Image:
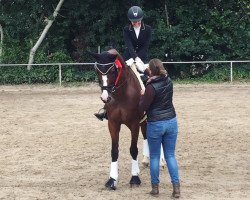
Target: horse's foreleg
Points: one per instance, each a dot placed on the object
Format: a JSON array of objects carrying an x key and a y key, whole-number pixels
[
  {"x": 113, "y": 177},
  {"x": 114, "y": 163},
  {"x": 135, "y": 167},
  {"x": 135, "y": 180}
]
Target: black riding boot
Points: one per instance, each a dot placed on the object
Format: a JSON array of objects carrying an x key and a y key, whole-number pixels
[{"x": 101, "y": 115}]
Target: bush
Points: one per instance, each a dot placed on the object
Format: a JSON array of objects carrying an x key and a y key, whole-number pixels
[
  {"x": 222, "y": 73},
  {"x": 45, "y": 74}
]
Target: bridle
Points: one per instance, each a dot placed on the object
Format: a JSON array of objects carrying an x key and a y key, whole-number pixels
[
  {"x": 104, "y": 73},
  {"x": 111, "y": 88}
]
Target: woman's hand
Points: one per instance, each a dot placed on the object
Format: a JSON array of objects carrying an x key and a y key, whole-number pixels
[{"x": 152, "y": 78}]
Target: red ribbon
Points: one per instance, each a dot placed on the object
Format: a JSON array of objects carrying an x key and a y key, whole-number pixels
[
  {"x": 118, "y": 63},
  {"x": 119, "y": 66}
]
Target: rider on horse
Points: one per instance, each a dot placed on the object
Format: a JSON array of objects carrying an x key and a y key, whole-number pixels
[{"x": 137, "y": 37}]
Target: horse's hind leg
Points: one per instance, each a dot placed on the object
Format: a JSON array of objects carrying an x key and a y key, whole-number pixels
[
  {"x": 135, "y": 180},
  {"x": 145, "y": 160},
  {"x": 114, "y": 129}
]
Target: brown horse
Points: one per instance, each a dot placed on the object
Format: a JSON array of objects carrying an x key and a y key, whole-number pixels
[{"x": 121, "y": 93}]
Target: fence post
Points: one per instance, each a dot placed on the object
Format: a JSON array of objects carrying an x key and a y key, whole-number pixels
[
  {"x": 29, "y": 74},
  {"x": 231, "y": 71},
  {"x": 60, "y": 74}
]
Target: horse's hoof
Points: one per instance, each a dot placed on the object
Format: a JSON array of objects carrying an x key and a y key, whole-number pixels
[
  {"x": 111, "y": 184},
  {"x": 145, "y": 161},
  {"x": 135, "y": 181}
]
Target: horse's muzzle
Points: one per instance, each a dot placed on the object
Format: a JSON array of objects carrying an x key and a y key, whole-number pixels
[{"x": 106, "y": 101}]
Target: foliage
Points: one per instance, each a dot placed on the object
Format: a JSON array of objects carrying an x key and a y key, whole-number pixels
[
  {"x": 220, "y": 73},
  {"x": 195, "y": 31}
]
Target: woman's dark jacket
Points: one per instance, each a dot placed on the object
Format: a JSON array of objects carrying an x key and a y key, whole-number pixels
[{"x": 158, "y": 100}]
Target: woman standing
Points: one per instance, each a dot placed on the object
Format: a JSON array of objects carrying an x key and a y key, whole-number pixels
[{"x": 162, "y": 127}]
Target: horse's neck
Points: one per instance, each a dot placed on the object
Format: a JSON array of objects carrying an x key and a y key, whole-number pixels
[
  {"x": 128, "y": 81},
  {"x": 134, "y": 79}
]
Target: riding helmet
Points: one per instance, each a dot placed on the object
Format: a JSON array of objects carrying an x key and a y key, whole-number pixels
[{"x": 135, "y": 13}]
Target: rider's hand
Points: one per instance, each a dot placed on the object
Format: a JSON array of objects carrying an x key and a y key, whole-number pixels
[
  {"x": 140, "y": 65},
  {"x": 130, "y": 61},
  {"x": 137, "y": 59}
]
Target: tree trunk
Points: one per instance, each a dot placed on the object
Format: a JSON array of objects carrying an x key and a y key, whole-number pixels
[
  {"x": 1, "y": 43},
  {"x": 42, "y": 36},
  {"x": 166, "y": 12}
]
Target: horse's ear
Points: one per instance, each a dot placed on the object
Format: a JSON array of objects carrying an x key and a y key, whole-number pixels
[
  {"x": 112, "y": 56},
  {"x": 113, "y": 51},
  {"x": 95, "y": 55}
]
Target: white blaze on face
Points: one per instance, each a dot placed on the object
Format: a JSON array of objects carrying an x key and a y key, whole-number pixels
[{"x": 105, "y": 94}]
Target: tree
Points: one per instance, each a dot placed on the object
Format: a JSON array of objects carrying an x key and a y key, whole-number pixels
[
  {"x": 182, "y": 29},
  {"x": 46, "y": 29},
  {"x": 1, "y": 42}
]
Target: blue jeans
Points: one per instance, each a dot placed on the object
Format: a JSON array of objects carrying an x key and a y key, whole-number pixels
[{"x": 163, "y": 132}]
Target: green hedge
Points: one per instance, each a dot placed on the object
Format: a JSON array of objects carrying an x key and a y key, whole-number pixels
[{"x": 44, "y": 74}]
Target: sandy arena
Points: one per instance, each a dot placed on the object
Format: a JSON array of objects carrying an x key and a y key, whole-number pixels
[{"x": 52, "y": 147}]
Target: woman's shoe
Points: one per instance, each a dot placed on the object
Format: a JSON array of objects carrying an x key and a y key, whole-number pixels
[
  {"x": 155, "y": 190},
  {"x": 176, "y": 190}
]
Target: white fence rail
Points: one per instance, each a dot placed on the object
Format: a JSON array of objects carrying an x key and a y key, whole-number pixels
[
  {"x": 209, "y": 62},
  {"x": 60, "y": 65}
]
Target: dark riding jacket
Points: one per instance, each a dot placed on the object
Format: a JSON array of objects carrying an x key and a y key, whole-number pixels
[
  {"x": 137, "y": 47},
  {"x": 158, "y": 100}
]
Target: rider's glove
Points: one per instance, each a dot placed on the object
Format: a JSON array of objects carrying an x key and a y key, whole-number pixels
[
  {"x": 130, "y": 61},
  {"x": 140, "y": 65}
]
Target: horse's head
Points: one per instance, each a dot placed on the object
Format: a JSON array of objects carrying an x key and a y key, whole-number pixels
[{"x": 107, "y": 70}]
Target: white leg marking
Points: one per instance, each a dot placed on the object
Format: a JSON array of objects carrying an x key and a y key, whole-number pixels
[
  {"x": 145, "y": 160},
  {"x": 162, "y": 154},
  {"x": 114, "y": 170},
  {"x": 145, "y": 148},
  {"x": 162, "y": 160},
  {"x": 135, "y": 168}
]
